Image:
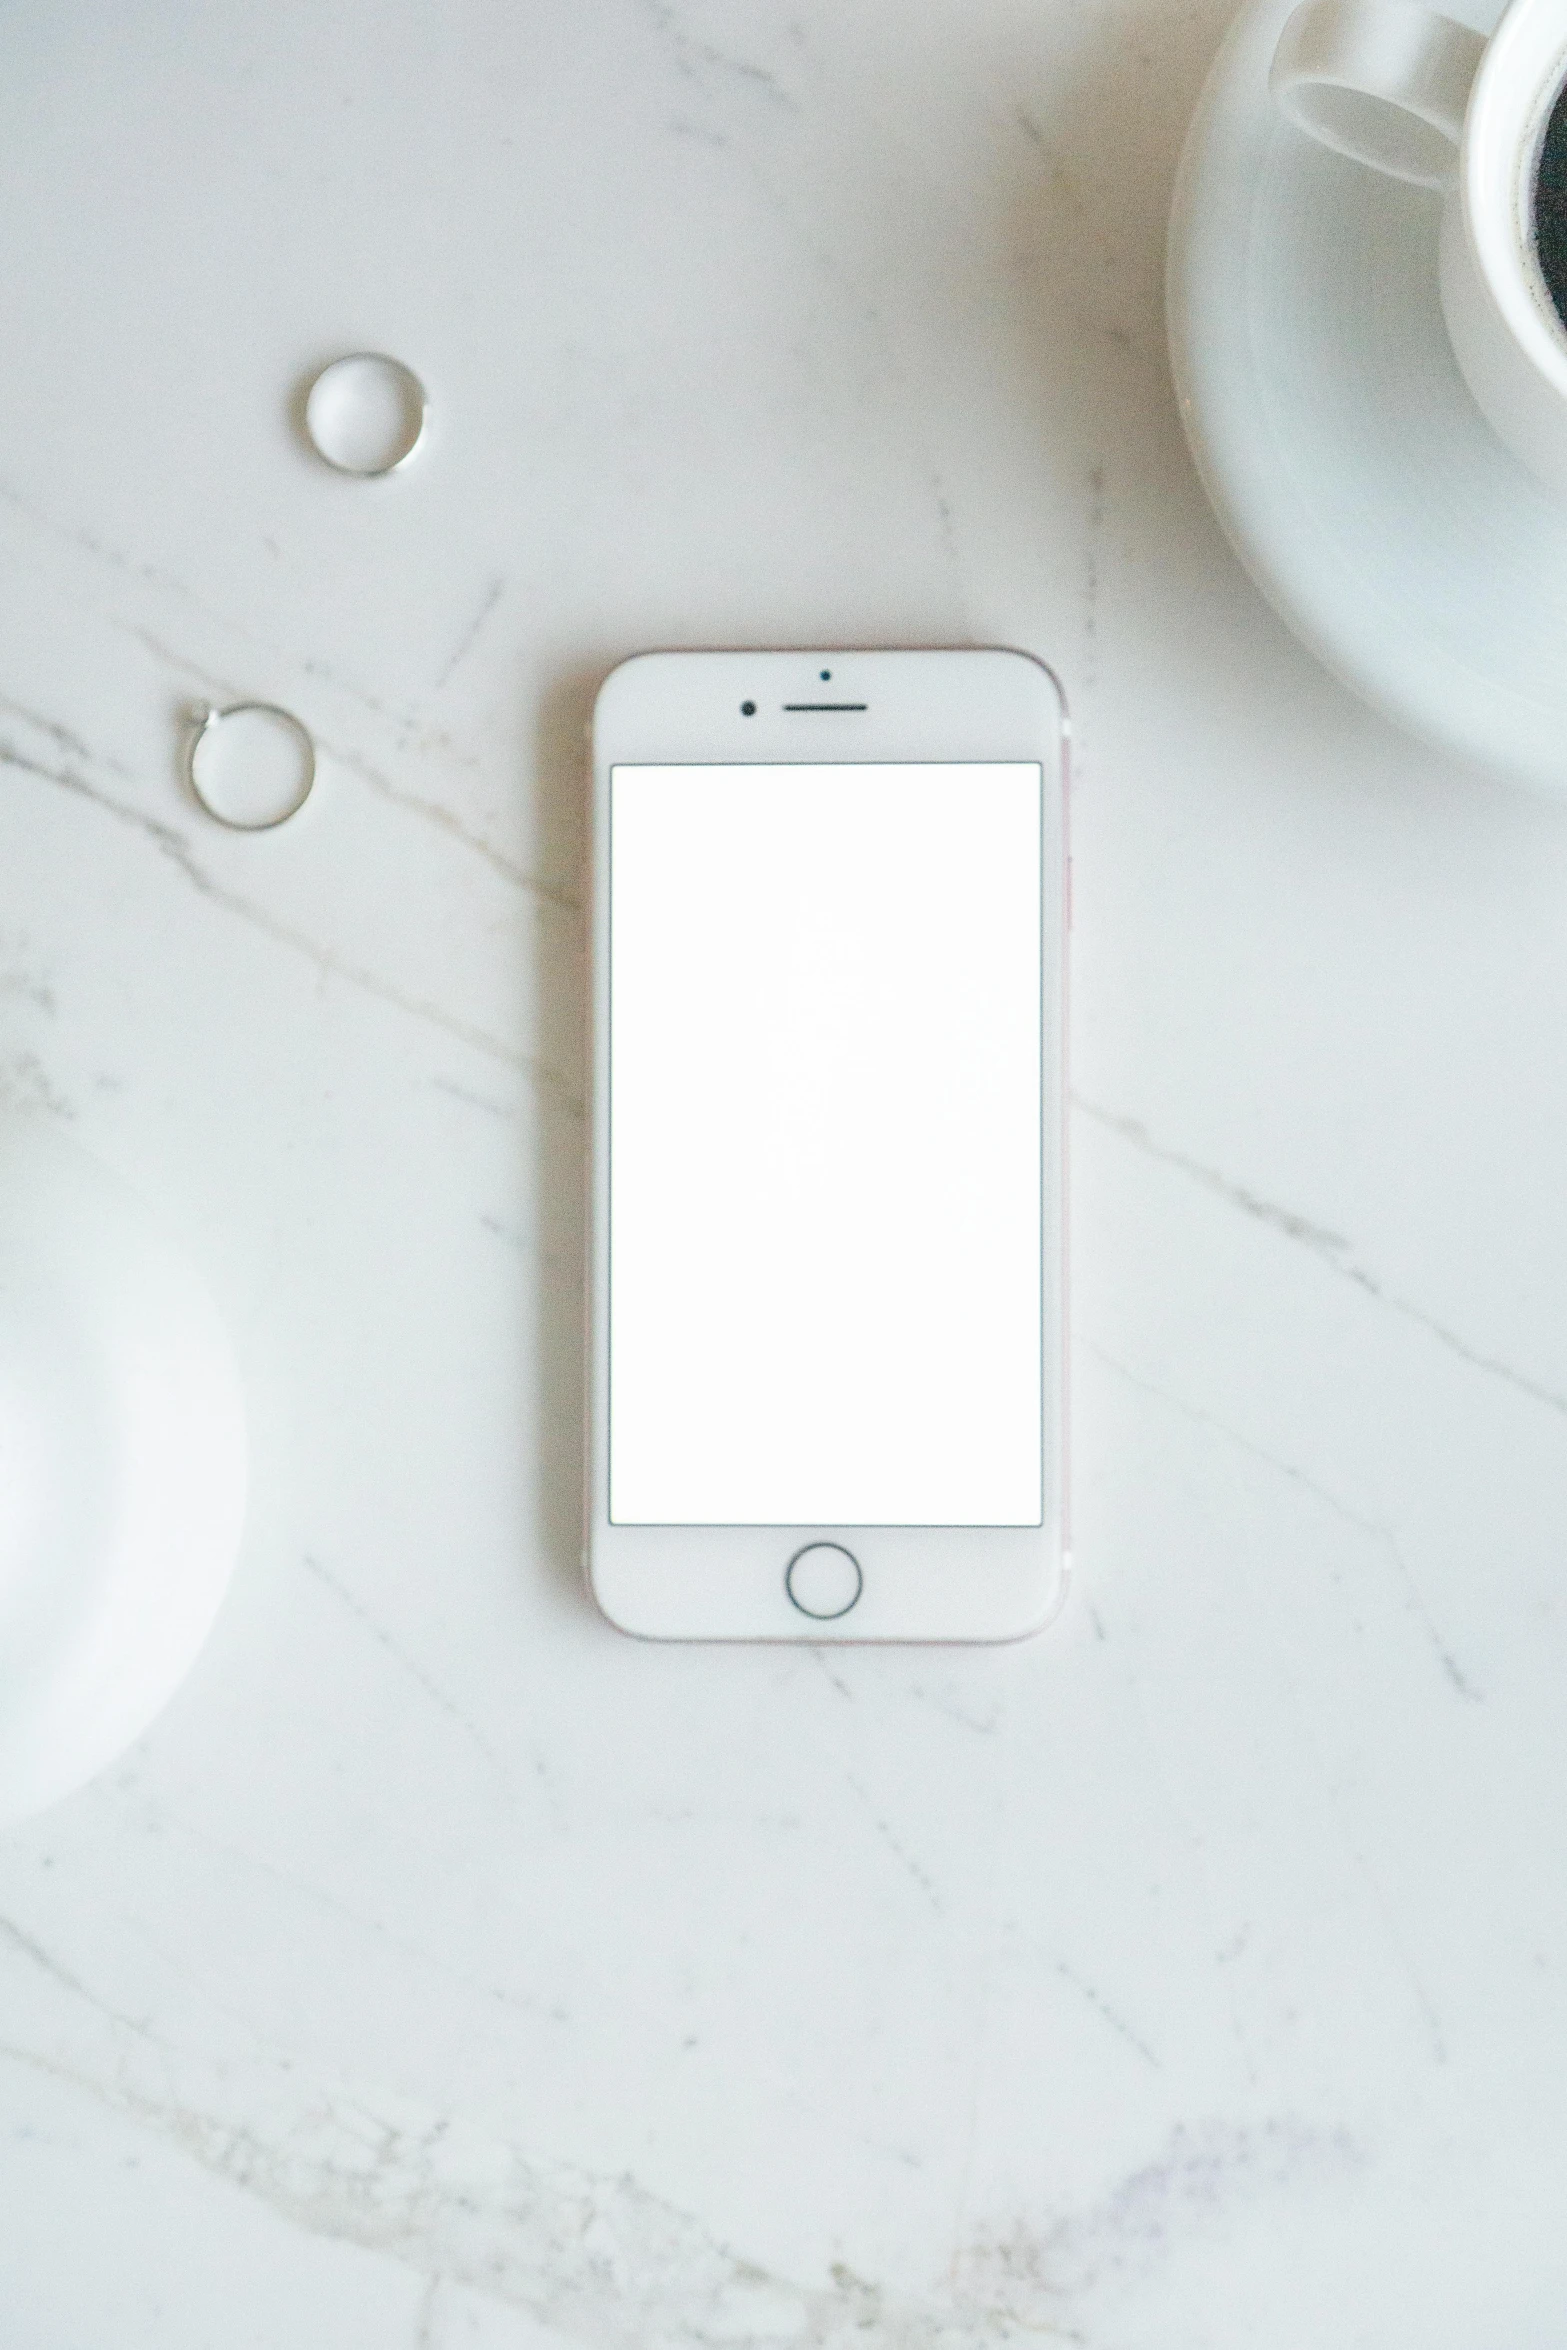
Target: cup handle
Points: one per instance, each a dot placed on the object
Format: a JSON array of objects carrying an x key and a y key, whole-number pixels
[{"x": 1383, "y": 80}]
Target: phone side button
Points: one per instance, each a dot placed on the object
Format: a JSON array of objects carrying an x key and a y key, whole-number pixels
[{"x": 824, "y": 1580}]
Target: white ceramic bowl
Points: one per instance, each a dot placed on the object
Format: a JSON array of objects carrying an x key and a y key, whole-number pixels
[
  {"x": 1340, "y": 447},
  {"x": 122, "y": 1467}
]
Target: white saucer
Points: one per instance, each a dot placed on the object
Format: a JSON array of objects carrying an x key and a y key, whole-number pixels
[
  {"x": 1358, "y": 482},
  {"x": 122, "y": 1467}
]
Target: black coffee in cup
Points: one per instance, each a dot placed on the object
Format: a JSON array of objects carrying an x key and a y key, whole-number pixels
[{"x": 1550, "y": 205}]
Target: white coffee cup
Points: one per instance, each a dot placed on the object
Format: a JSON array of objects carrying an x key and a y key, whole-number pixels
[{"x": 1416, "y": 95}]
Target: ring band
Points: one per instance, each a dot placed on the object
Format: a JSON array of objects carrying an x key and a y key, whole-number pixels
[
  {"x": 323, "y": 418},
  {"x": 206, "y": 720}
]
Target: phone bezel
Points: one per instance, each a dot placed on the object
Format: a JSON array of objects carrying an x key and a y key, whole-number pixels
[{"x": 965, "y": 1583}]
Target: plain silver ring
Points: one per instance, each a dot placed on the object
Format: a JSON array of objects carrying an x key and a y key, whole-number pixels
[
  {"x": 204, "y": 719},
  {"x": 417, "y": 397}
]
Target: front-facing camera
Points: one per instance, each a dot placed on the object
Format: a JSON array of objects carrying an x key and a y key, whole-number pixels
[{"x": 748, "y": 709}]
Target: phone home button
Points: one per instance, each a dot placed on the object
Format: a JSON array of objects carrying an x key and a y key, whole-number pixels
[{"x": 824, "y": 1580}]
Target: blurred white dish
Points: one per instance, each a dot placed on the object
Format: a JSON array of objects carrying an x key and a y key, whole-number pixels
[
  {"x": 122, "y": 1467},
  {"x": 1343, "y": 454}
]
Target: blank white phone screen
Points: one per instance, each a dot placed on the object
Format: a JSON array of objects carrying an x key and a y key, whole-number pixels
[{"x": 825, "y": 1145}]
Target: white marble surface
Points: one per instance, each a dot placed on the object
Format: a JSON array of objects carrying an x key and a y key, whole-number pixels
[{"x": 443, "y": 1970}]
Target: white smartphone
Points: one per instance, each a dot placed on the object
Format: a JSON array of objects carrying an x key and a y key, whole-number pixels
[{"x": 827, "y": 1288}]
